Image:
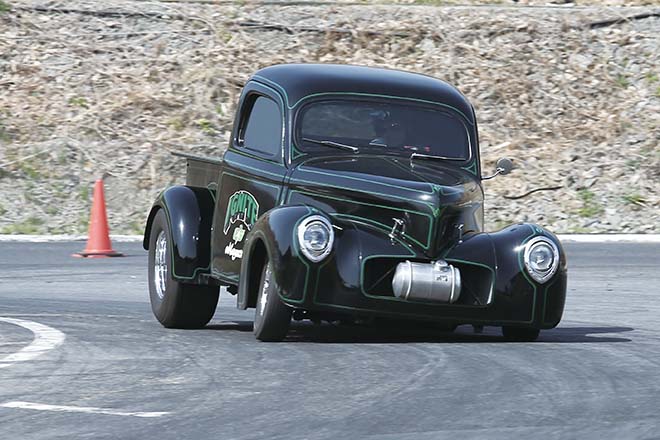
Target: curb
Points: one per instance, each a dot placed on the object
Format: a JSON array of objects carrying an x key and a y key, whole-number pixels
[
  {"x": 566, "y": 238},
  {"x": 609, "y": 238},
  {"x": 64, "y": 237}
]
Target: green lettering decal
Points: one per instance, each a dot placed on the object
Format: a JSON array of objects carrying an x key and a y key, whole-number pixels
[{"x": 241, "y": 207}]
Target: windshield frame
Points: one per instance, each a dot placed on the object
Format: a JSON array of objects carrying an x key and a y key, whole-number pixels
[{"x": 296, "y": 134}]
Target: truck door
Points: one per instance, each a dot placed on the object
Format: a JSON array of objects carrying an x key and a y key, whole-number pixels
[{"x": 250, "y": 182}]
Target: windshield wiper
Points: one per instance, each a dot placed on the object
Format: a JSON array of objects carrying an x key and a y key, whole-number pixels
[
  {"x": 428, "y": 156},
  {"x": 332, "y": 144}
]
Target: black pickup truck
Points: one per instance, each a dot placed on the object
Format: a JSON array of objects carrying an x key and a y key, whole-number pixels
[{"x": 348, "y": 193}]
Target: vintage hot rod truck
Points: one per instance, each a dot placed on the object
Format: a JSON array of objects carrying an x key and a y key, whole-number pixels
[{"x": 348, "y": 192}]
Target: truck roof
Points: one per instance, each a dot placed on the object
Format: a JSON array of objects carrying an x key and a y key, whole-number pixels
[{"x": 297, "y": 81}]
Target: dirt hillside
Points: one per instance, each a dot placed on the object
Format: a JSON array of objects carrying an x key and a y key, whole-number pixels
[{"x": 91, "y": 89}]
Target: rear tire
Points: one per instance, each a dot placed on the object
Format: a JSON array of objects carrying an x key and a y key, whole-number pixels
[
  {"x": 175, "y": 304},
  {"x": 272, "y": 317},
  {"x": 520, "y": 334}
]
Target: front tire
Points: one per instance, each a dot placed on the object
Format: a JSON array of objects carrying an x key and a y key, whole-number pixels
[
  {"x": 272, "y": 317},
  {"x": 175, "y": 304},
  {"x": 520, "y": 334}
]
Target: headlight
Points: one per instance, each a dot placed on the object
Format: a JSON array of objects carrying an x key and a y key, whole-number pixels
[
  {"x": 541, "y": 258},
  {"x": 315, "y": 237}
]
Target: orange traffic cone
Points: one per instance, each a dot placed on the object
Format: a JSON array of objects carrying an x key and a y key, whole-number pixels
[{"x": 98, "y": 241}]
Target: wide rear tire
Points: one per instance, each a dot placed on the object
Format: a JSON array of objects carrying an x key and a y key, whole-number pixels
[
  {"x": 272, "y": 317},
  {"x": 175, "y": 304},
  {"x": 520, "y": 334}
]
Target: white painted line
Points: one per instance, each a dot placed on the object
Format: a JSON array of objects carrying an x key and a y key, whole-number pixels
[
  {"x": 45, "y": 339},
  {"x": 609, "y": 238},
  {"x": 68, "y": 315},
  {"x": 80, "y": 409}
]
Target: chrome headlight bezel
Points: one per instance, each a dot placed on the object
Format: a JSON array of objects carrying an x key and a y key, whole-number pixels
[
  {"x": 541, "y": 276},
  {"x": 310, "y": 254}
]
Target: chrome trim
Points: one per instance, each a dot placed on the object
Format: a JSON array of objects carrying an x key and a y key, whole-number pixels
[
  {"x": 539, "y": 276},
  {"x": 300, "y": 235},
  {"x": 398, "y": 223},
  {"x": 410, "y": 266}
]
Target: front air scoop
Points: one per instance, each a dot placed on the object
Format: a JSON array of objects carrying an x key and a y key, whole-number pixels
[{"x": 418, "y": 203}]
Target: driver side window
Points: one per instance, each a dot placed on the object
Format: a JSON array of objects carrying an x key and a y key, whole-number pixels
[{"x": 261, "y": 130}]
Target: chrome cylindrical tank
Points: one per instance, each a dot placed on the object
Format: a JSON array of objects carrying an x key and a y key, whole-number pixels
[{"x": 438, "y": 281}]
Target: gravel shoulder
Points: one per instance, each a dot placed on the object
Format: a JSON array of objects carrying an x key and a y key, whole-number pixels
[{"x": 90, "y": 89}]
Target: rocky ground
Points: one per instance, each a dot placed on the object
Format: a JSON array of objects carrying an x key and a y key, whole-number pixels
[{"x": 90, "y": 89}]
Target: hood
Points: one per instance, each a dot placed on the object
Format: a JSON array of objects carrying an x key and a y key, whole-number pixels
[{"x": 429, "y": 197}]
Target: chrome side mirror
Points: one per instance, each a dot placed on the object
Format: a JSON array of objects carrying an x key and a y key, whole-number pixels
[{"x": 503, "y": 166}]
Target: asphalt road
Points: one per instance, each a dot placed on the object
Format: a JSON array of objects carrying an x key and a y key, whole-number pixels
[{"x": 595, "y": 376}]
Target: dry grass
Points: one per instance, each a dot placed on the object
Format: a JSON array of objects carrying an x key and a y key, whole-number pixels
[{"x": 85, "y": 95}]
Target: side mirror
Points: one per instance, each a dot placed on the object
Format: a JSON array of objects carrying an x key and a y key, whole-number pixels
[{"x": 503, "y": 166}]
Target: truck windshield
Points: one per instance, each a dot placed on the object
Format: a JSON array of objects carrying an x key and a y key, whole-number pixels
[{"x": 382, "y": 128}]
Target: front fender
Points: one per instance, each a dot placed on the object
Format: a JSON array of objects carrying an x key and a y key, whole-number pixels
[
  {"x": 272, "y": 238},
  {"x": 549, "y": 297},
  {"x": 302, "y": 282},
  {"x": 516, "y": 296},
  {"x": 189, "y": 212}
]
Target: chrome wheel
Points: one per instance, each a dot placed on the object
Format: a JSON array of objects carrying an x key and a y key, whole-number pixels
[
  {"x": 272, "y": 316},
  {"x": 263, "y": 298},
  {"x": 160, "y": 264}
]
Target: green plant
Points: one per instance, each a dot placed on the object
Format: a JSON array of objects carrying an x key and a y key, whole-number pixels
[
  {"x": 586, "y": 195},
  {"x": 4, "y": 7},
  {"x": 632, "y": 163},
  {"x": 635, "y": 199},
  {"x": 32, "y": 225},
  {"x": 501, "y": 224},
  {"x": 652, "y": 77},
  {"x": 137, "y": 227},
  {"x": 579, "y": 230},
  {"x": 225, "y": 36},
  {"x": 177, "y": 124},
  {"x": 590, "y": 211},
  {"x": 79, "y": 101},
  {"x": 3, "y": 211},
  {"x": 62, "y": 157},
  {"x": 590, "y": 207},
  {"x": 622, "y": 80},
  {"x": 58, "y": 190},
  {"x": 205, "y": 125},
  {"x": 82, "y": 225},
  {"x": 83, "y": 192},
  {"x": 29, "y": 170},
  {"x": 4, "y": 133}
]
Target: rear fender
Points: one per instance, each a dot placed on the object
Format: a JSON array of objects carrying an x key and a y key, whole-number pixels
[{"x": 189, "y": 212}]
